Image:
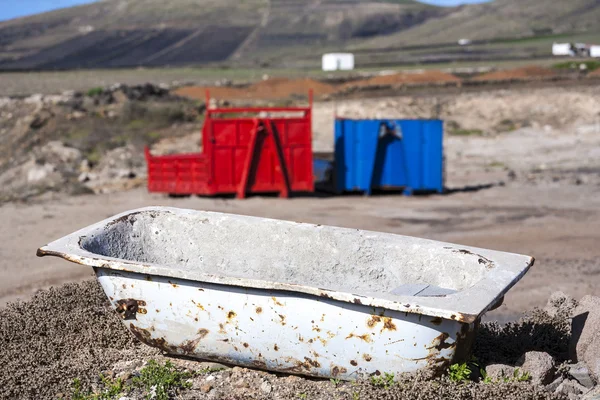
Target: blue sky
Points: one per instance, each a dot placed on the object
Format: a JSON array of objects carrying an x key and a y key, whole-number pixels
[{"x": 18, "y": 8}]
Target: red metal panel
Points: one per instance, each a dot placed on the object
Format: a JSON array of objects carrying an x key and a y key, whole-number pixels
[{"x": 241, "y": 155}]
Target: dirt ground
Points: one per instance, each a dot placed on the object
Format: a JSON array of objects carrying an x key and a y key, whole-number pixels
[
  {"x": 522, "y": 175},
  {"x": 534, "y": 191}
]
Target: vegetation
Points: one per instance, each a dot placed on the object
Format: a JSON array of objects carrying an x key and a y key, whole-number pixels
[
  {"x": 112, "y": 390},
  {"x": 590, "y": 65},
  {"x": 464, "y": 372},
  {"x": 467, "y": 132},
  {"x": 158, "y": 382},
  {"x": 385, "y": 381},
  {"x": 460, "y": 372},
  {"x": 94, "y": 91}
]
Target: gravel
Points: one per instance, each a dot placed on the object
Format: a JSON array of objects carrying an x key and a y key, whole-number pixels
[{"x": 69, "y": 332}]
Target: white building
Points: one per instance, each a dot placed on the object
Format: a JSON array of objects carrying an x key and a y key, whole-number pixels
[
  {"x": 595, "y": 51},
  {"x": 464, "y": 42},
  {"x": 563, "y": 49},
  {"x": 338, "y": 62}
]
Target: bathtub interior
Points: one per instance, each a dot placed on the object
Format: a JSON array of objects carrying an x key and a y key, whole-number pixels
[{"x": 339, "y": 259}]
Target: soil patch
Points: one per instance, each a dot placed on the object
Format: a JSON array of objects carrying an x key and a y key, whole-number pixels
[
  {"x": 61, "y": 334},
  {"x": 269, "y": 89},
  {"x": 526, "y": 73},
  {"x": 425, "y": 77}
]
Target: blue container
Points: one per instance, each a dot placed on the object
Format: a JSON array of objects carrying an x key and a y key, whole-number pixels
[{"x": 389, "y": 154}]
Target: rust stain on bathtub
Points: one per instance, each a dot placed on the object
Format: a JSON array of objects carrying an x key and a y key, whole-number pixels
[
  {"x": 277, "y": 302},
  {"x": 365, "y": 337},
  {"x": 129, "y": 308},
  {"x": 336, "y": 370}
]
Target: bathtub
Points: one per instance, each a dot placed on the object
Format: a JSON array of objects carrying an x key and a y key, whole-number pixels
[{"x": 291, "y": 297}]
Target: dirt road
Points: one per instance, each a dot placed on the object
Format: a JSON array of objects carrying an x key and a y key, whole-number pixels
[{"x": 548, "y": 207}]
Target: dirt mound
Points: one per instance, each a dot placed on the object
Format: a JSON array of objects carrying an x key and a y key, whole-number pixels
[
  {"x": 269, "y": 89},
  {"x": 406, "y": 78},
  {"x": 59, "y": 335},
  {"x": 595, "y": 73},
  {"x": 282, "y": 88},
  {"x": 529, "y": 72}
]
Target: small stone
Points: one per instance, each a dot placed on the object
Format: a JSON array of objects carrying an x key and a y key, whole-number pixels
[
  {"x": 555, "y": 384},
  {"x": 570, "y": 387},
  {"x": 206, "y": 388},
  {"x": 581, "y": 374},
  {"x": 266, "y": 387},
  {"x": 210, "y": 378},
  {"x": 212, "y": 366},
  {"x": 241, "y": 384},
  {"x": 539, "y": 365},
  {"x": 60, "y": 395},
  {"x": 497, "y": 372},
  {"x": 585, "y": 328},
  {"x": 593, "y": 394}
]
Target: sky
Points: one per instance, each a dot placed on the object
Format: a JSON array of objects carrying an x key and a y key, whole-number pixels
[{"x": 18, "y": 8}]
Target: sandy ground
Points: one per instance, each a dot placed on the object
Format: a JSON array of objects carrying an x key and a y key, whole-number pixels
[{"x": 548, "y": 206}]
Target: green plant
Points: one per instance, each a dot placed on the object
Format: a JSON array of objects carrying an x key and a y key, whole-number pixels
[
  {"x": 95, "y": 91},
  {"x": 336, "y": 382},
  {"x": 355, "y": 396},
  {"x": 459, "y": 372},
  {"x": 386, "y": 381},
  {"x": 160, "y": 381},
  {"x": 590, "y": 65},
  {"x": 112, "y": 389},
  {"x": 302, "y": 395},
  {"x": 521, "y": 377},
  {"x": 518, "y": 376}
]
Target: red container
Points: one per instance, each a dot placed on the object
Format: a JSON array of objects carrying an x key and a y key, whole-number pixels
[{"x": 245, "y": 150}]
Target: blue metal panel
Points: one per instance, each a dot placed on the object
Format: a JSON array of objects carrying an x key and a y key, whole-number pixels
[{"x": 385, "y": 154}]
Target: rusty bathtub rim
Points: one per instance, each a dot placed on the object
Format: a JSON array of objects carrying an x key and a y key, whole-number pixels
[{"x": 465, "y": 306}]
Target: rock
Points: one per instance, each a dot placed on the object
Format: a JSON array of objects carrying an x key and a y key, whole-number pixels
[
  {"x": 40, "y": 119},
  {"x": 266, "y": 387},
  {"x": 593, "y": 394},
  {"x": 241, "y": 383},
  {"x": 591, "y": 358},
  {"x": 211, "y": 366},
  {"x": 497, "y": 372},
  {"x": 539, "y": 365},
  {"x": 585, "y": 328},
  {"x": 206, "y": 388},
  {"x": 560, "y": 304},
  {"x": 555, "y": 384},
  {"x": 570, "y": 387},
  {"x": 124, "y": 369},
  {"x": 39, "y": 172},
  {"x": 581, "y": 373}
]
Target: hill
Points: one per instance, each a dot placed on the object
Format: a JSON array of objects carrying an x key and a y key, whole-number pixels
[
  {"x": 501, "y": 19},
  {"x": 289, "y": 33},
  {"x": 126, "y": 33}
]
